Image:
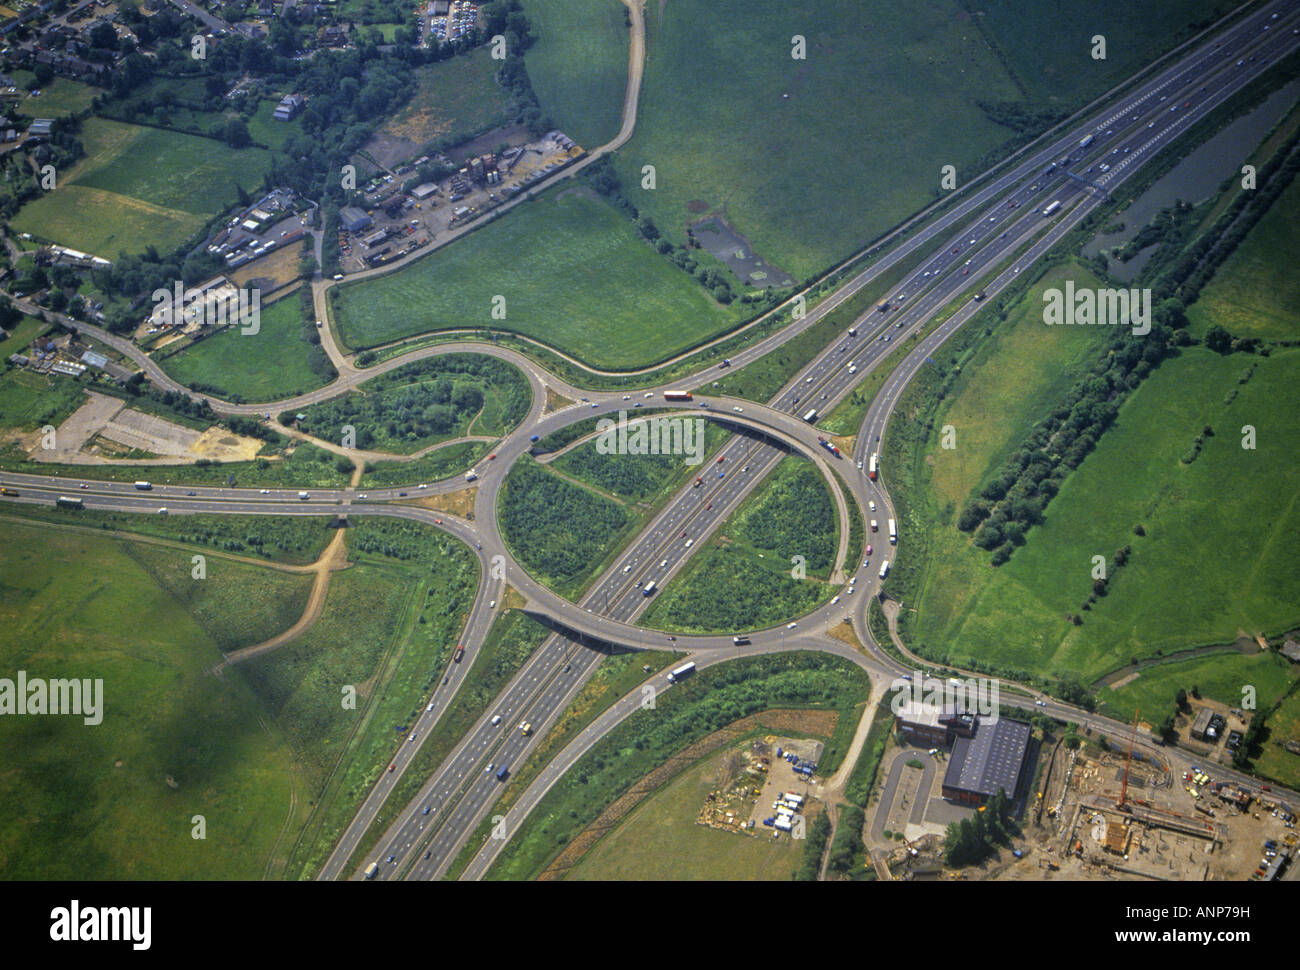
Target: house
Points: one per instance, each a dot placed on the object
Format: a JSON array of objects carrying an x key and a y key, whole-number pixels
[
  {"x": 334, "y": 35},
  {"x": 289, "y": 107}
]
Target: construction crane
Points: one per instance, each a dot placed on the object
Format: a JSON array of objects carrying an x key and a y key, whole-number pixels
[{"x": 1123, "y": 791}]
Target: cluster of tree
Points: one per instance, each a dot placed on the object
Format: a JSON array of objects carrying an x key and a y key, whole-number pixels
[
  {"x": 847, "y": 849},
  {"x": 604, "y": 179},
  {"x": 175, "y": 401},
  {"x": 819, "y": 831},
  {"x": 1015, "y": 498},
  {"x": 555, "y": 527},
  {"x": 794, "y": 515},
  {"x": 972, "y": 840}
]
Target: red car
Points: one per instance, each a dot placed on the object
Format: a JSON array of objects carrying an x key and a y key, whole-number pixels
[
  {"x": 392, "y": 766},
  {"x": 492, "y": 457},
  {"x": 868, "y": 550},
  {"x": 707, "y": 507},
  {"x": 721, "y": 459}
]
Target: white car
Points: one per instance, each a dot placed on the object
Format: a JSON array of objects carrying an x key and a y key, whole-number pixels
[
  {"x": 492, "y": 605},
  {"x": 429, "y": 708},
  {"x": 871, "y": 506},
  {"x": 791, "y": 625},
  {"x": 266, "y": 491},
  {"x": 496, "y": 719},
  {"x": 411, "y": 738},
  {"x": 423, "y": 485}
]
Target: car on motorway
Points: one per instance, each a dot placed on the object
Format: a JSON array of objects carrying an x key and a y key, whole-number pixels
[
  {"x": 412, "y": 737},
  {"x": 429, "y": 708},
  {"x": 392, "y": 766},
  {"x": 163, "y": 510},
  {"x": 868, "y": 552},
  {"x": 425, "y": 812},
  {"x": 791, "y": 625},
  {"x": 422, "y": 485},
  {"x": 191, "y": 493},
  {"x": 1041, "y": 703},
  {"x": 535, "y": 437},
  {"x": 491, "y": 457},
  {"x": 265, "y": 491}
]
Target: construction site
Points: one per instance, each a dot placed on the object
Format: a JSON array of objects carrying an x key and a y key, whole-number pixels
[
  {"x": 1101, "y": 813},
  {"x": 760, "y": 791}
]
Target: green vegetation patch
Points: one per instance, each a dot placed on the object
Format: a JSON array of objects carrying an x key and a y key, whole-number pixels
[
  {"x": 742, "y": 580},
  {"x": 578, "y": 66},
  {"x": 115, "y": 800},
  {"x": 282, "y": 359},
  {"x": 566, "y": 285},
  {"x": 712, "y": 699},
  {"x": 805, "y": 155},
  {"x": 425, "y": 402}
]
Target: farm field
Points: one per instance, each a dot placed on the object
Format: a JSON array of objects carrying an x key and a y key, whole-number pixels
[
  {"x": 1015, "y": 616},
  {"x": 1219, "y": 676},
  {"x": 458, "y": 97},
  {"x": 115, "y": 801},
  {"x": 390, "y": 624},
  {"x": 578, "y": 66},
  {"x": 274, "y": 363},
  {"x": 1256, "y": 290},
  {"x": 426, "y": 402},
  {"x": 742, "y": 579},
  {"x": 1050, "y": 55},
  {"x": 660, "y": 839},
  {"x": 568, "y": 287},
  {"x": 140, "y": 187},
  {"x": 727, "y": 116}
]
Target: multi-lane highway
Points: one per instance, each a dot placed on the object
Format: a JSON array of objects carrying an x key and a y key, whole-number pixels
[{"x": 982, "y": 243}]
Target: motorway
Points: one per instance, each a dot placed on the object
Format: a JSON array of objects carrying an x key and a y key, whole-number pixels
[{"x": 982, "y": 243}]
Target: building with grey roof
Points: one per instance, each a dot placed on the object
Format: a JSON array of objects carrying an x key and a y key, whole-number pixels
[{"x": 993, "y": 758}]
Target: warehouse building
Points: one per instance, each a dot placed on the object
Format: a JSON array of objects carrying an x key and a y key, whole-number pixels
[
  {"x": 354, "y": 219},
  {"x": 993, "y": 758}
]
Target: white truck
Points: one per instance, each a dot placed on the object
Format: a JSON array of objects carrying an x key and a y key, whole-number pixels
[
  {"x": 893, "y": 533},
  {"x": 884, "y": 569},
  {"x": 143, "y": 486}
]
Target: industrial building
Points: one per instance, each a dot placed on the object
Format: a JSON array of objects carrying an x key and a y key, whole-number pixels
[
  {"x": 932, "y": 725},
  {"x": 353, "y": 219},
  {"x": 992, "y": 758}
]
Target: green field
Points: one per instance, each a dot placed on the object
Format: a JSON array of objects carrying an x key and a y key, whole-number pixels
[
  {"x": 441, "y": 463},
  {"x": 880, "y": 102},
  {"x": 391, "y": 623},
  {"x": 559, "y": 531},
  {"x": 140, "y": 187},
  {"x": 660, "y": 840},
  {"x": 569, "y": 285},
  {"x": 1283, "y": 725},
  {"x": 60, "y": 97},
  {"x": 116, "y": 800},
  {"x": 1219, "y": 676},
  {"x": 274, "y": 363},
  {"x": 426, "y": 402},
  {"x": 714, "y": 698},
  {"x": 29, "y": 401},
  {"x": 1173, "y": 592},
  {"x": 742, "y": 579},
  {"x": 578, "y": 65},
  {"x": 458, "y": 97},
  {"x": 1255, "y": 292},
  {"x": 1049, "y": 46}
]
